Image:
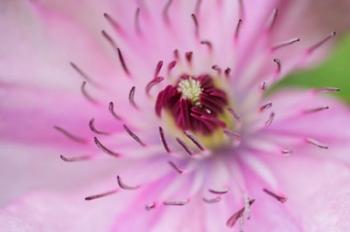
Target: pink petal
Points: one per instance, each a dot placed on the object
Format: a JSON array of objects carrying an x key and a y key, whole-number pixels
[
  {"x": 34, "y": 116},
  {"x": 268, "y": 213},
  {"x": 40, "y": 43},
  {"x": 25, "y": 169},
  {"x": 330, "y": 210},
  {"x": 64, "y": 212},
  {"x": 316, "y": 188},
  {"x": 309, "y": 114}
]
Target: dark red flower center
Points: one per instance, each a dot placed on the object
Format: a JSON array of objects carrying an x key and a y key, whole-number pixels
[{"x": 195, "y": 103}]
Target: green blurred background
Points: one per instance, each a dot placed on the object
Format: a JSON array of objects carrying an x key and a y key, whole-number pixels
[{"x": 333, "y": 72}]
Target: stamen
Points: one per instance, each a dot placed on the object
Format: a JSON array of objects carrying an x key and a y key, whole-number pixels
[
  {"x": 151, "y": 206},
  {"x": 156, "y": 79},
  {"x": 122, "y": 62},
  {"x": 132, "y": 97},
  {"x": 279, "y": 198},
  {"x": 82, "y": 73},
  {"x": 270, "y": 120},
  {"x": 93, "y": 128},
  {"x": 71, "y": 136},
  {"x": 208, "y": 44},
  {"x": 110, "y": 40},
  {"x": 100, "y": 195},
  {"x": 286, "y": 151},
  {"x": 166, "y": 11},
  {"x": 234, "y": 114},
  {"x": 171, "y": 65},
  {"x": 164, "y": 142},
  {"x": 278, "y": 66},
  {"x": 86, "y": 94},
  {"x": 176, "y": 54},
  {"x": 105, "y": 149},
  {"x": 265, "y": 107},
  {"x": 238, "y": 29},
  {"x": 320, "y": 43},
  {"x": 117, "y": 50},
  {"x": 217, "y": 69},
  {"x": 285, "y": 44},
  {"x": 126, "y": 187},
  {"x": 327, "y": 90},
  {"x": 234, "y": 218},
  {"x": 137, "y": 21},
  {"x": 212, "y": 200},
  {"x": 114, "y": 24},
  {"x": 218, "y": 192},
  {"x": 142, "y": 5},
  {"x": 227, "y": 72},
  {"x": 316, "y": 143},
  {"x": 196, "y": 25},
  {"x": 232, "y": 134},
  {"x": 175, "y": 167},
  {"x": 111, "y": 109},
  {"x": 176, "y": 203},
  {"x": 133, "y": 135},
  {"x": 273, "y": 19},
  {"x": 246, "y": 212},
  {"x": 74, "y": 159},
  {"x": 263, "y": 86},
  {"x": 315, "y": 110},
  {"x": 189, "y": 56},
  {"x": 153, "y": 83},
  {"x": 184, "y": 146},
  {"x": 158, "y": 68},
  {"x": 194, "y": 140}
]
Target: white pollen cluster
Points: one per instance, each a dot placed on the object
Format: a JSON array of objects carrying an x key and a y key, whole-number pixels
[{"x": 190, "y": 89}]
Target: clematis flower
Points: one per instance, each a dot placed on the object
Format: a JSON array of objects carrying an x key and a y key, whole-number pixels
[{"x": 159, "y": 119}]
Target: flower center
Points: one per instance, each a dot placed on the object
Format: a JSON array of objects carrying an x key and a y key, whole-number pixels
[
  {"x": 196, "y": 104},
  {"x": 191, "y": 89}
]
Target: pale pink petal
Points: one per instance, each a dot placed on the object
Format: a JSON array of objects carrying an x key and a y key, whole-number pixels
[
  {"x": 311, "y": 22},
  {"x": 314, "y": 32},
  {"x": 320, "y": 17},
  {"x": 38, "y": 116},
  {"x": 53, "y": 212},
  {"x": 315, "y": 187},
  {"x": 306, "y": 118},
  {"x": 25, "y": 169},
  {"x": 38, "y": 44},
  {"x": 315, "y": 115},
  {"x": 330, "y": 210}
]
